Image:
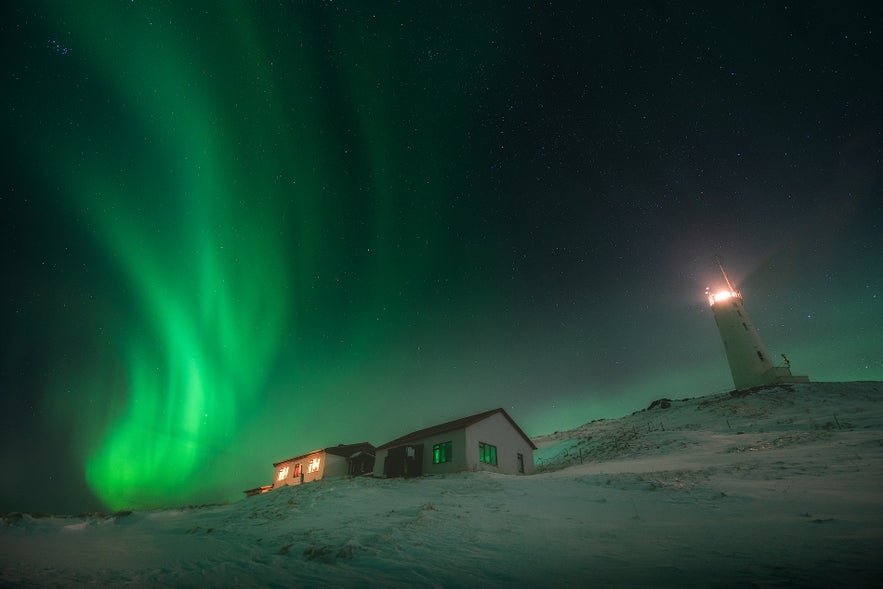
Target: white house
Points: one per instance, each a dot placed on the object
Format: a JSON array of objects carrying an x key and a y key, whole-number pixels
[
  {"x": 489, "y": 441},
  {"x": 337, "y": 461}
]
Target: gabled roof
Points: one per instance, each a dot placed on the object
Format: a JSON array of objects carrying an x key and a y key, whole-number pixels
[
  {"x": 345, "y": 450},
  {"x": 461, "y": 423}
]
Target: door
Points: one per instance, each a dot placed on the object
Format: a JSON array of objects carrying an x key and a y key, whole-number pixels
[{"x": 404, "y": 461}]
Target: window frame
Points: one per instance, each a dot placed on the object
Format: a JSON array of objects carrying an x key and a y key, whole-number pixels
[
  {"x": 314, "y": 465},
  {"x": 442, "y": 452},
  {"x": 487, "y": 454}
]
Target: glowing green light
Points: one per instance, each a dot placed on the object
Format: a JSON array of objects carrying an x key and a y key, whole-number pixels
[
  {"x": 202, "y": 250},
  {"x": 268, "y": 223}
]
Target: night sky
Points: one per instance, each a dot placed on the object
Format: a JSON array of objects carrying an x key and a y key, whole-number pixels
[{"x": 234, "y": 232}]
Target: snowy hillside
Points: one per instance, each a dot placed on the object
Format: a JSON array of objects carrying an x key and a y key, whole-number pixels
[{"x": 778, "y": 487}]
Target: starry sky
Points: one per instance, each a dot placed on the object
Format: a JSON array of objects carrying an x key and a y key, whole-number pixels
[{"x": 235, "y": 231}]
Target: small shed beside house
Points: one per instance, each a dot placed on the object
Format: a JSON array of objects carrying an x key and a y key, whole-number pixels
[
  {"x": 489, "y": 441},
  {"x": 258, "y": 490}
]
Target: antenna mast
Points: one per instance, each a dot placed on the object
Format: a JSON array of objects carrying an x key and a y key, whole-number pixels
[{"x": 717, "y": 260}]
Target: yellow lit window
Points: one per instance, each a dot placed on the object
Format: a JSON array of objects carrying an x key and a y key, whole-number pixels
[
  {"x": 313, "y": 466},
  {"x": 283, "y": 472}
]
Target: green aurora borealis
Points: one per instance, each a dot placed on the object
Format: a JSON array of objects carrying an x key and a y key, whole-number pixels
[
  {"x": 225, "y": 232},
  {"x": 202, "y": 254},
  {"x": 238, "y": 232}
]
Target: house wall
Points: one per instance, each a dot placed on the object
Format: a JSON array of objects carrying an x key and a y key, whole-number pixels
[
  {"x": 379, "y": 459},
  {"x": 497, "y": 431},
  {"x": 334, "y": 466},
  {"x": 458, "y": 452},
  {"x": 304, "y": 461}
]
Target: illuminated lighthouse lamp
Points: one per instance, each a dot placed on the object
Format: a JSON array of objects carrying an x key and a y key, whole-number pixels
[{"x": 723, "y": 295}]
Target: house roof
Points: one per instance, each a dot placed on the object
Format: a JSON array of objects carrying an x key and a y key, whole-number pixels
[
  {"x": 461, "y": 423},
  {"x": 345, "y": 450}
]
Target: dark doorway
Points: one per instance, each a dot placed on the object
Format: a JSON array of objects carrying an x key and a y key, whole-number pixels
[
  {"x": 404, "y": 461},
  {"x": 360, "y": 463}
]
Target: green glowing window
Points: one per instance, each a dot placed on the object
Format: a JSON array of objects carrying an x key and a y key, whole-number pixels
[
  {"x": 487, "y": 453},
  {"x": 441, "y": 453}
]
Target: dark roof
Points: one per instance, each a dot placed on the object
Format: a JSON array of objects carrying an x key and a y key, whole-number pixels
[
  {"x": 454, "y": 425},
  {"x": 345, "y": 450}
]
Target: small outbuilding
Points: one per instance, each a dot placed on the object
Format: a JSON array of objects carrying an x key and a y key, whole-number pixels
[
  {"x": 336, "y": 461},
  {"x": 489, "y": 441},
  {"x": 258, "y": 490}
]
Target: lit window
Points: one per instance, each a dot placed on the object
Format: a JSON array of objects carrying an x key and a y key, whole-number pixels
[
  {"x": 313, "y": 466},
  {"x": 441, "y": 453},
  {"x": 283, "y": 472},
  {"x": 487, "y": 453}
]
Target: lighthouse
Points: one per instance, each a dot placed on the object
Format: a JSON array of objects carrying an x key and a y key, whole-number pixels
[{"x": 750, "y": 363}]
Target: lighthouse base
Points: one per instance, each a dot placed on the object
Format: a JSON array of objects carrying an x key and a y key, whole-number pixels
[{"x": 781, "y": 374}]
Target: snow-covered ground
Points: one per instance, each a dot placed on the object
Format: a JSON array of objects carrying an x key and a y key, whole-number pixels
[{"x": 780, "y": 487}]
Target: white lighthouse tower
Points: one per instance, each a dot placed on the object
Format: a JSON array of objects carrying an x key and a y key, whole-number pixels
[{"x": 750, "y": 362}]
